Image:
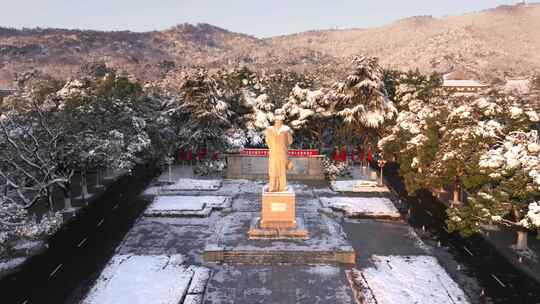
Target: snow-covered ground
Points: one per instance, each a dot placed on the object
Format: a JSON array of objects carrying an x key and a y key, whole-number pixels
[
  {"x": 357, "y": 185},
  {"x": 193, "y": 184},
  {"x": 375, "y": 207},
  {"x": 10, "y": 264},
  {"x": 115, "y": 174},
  {"x": 191, "y": 236},
  {"x": 179, "y": 171},
  {"x": 89, "y": 196},
  {"x": 236, "y": 186},
  {"x": 159, "y": 279},
  {"x": 364, "y": 179},
  {"x": 151, "y": 191},
  {"x": 141, "y": 279},
  {"x": 178, "y": 205},
  {"x": 407, "y": 280}
]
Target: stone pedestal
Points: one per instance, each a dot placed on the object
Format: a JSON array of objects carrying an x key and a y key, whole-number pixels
[
  {"x": 278, "y": 217},
  {"x": 278, "y": 209},
  {"x": 256, "y": 232}
]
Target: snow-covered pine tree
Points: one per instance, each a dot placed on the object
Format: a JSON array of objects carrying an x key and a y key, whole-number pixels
[
  {"x": 412, "y": 139},
  {"x": 487, "y": 126},
  {"x": 103, "y": 119},
  {"x": 308, "y": 113},
  {"x": 203, "y": 111},
  {"x": 510, "y": 197},
  {"x": 265, "y": 93},
  {"x": 361, "y": 100},
  {"x": 249, "y": 112}
]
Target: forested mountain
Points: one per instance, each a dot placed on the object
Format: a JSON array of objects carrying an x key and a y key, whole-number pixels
[{"x": 485, "y": 44}]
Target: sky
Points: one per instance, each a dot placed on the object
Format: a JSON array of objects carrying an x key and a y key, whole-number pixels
[{"x": 260, "y": 18}]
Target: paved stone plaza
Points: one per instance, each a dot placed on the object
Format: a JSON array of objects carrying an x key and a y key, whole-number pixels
[{"x": 300, "y": 281}]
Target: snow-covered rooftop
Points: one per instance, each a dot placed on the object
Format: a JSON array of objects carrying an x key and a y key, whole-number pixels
[
  {"x": 521, "y": 86},
  {"x": 463, "y": 83}
]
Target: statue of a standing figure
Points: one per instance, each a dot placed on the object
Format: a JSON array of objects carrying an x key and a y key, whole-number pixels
[{"x": 278, "y": 139}]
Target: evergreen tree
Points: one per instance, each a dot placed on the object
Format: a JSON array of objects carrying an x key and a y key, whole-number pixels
[
  {"x": 361, "y": 100},
  {"x": 308, "y": 113}
]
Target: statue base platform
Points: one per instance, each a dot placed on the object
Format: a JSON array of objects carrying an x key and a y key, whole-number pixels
[
  {"x": 231, "y": 244},
  {"x": 278, "y": 210},
  {"x": 277, "y": 231}
]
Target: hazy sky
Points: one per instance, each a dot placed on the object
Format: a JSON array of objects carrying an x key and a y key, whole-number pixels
[{"x": 260, "y": 18}]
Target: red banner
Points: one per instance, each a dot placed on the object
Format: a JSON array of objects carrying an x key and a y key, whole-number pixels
[{"x": 292, "y": 153}]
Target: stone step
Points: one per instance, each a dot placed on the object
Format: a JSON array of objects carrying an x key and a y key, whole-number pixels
[{"x": 282, "y": 257}]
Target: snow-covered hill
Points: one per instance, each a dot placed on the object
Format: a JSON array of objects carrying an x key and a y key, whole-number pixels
[{"x": 485, "y": 44}]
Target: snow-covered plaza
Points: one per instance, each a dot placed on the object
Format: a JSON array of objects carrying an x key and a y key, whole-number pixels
[{"x": 161, "y": 259}]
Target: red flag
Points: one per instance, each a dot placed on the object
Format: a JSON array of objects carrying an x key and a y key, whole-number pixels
[
  {"x": 369, "y": 155},
  {"x": 189, "y": 155},
  {"x": 343, "y": 154},
  {"x": 182, "y": 154},
  {"x": 336, "y": 155},
  {"x": 201, "y": 154}
]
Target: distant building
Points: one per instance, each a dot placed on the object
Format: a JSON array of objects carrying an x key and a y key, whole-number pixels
[
  {"x": 518, "y": 85},
  {"x": 468, "y": 86}
]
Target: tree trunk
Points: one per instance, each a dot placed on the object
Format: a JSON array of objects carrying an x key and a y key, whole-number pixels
[
  {"x": 521, "y": 243},
  {"x": 106, "y": 173},
  {"x": 455, "y": 196},
  {"x": 170, "y": 171},
  {"x": 440, "y": 191},
  {"x": 67, "y": 197},
  {"x": 318, "y": 135},
  {"x": 98, "y": 178},
  {"x": 381, "y": 177},
  {"x": 455, "y": 193},
  {"x": 84, "y": 185},
  {"x": 50, "y": 190}
]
